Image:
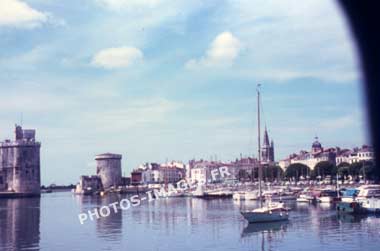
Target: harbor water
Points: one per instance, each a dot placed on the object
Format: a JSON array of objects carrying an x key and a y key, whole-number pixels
[{"x": 51, "y": 223}]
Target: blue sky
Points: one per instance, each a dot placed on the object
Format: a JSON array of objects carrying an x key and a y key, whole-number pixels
[{"x": 159, "y": 79}]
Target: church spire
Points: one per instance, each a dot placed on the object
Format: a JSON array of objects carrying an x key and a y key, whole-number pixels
[{"x": 266, "y": 138}]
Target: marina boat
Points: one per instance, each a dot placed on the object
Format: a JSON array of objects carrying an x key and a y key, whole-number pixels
[
  {"x": 367, "y": 206},
  {"x": 306, "y": 198},
  {"x": 272, "y": 211},
  {"x": 368, "y": 191},
  {"x": 349, "y": 194},
  {"x": 281, "y": 196},
  {"x": 371, "y": 205},
  {"x": 328, "y": 196},
  {"x": 218, "y": 194},
  {"x": 248, "y": 195}
]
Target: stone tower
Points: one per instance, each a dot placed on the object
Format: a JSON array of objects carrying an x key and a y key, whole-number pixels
[
  {"x": 20, "y": 163},
  {"x": 108, "y": 168},
  {"x": 267, "y": 151}
]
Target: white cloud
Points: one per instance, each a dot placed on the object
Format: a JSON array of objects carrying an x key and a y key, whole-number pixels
[
  {"x": 342, "y": 122},
  {"x": 120, "y": 4},
  {"x": 120, "y": 57},
  {"x": 222, "y": 52},
  {"x": 292, "y": 39},
  {"x": 19, "y": 14}
]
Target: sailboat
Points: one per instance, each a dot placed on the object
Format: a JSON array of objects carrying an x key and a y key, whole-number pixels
[{"x": 272, "y": 211}]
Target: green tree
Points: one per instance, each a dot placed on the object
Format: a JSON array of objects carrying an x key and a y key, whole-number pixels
[
  {"x": 343, "y": 169},
  {"x": 272, "y": 172},
  {"x": 296, "y": 170},
  {"x": 324, "y": 168},
  {"x": 354, "y": 169},
  {"x": 368, "y": 170}
]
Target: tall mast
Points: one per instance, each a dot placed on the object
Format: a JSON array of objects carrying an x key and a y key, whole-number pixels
[{"x": 258, "y": 142}]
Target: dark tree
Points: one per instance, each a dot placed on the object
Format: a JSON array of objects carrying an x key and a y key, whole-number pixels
[
  {"x": 368, "y": 170},
  {"x": 272, "y": 172},
  {"x": 324, "y": 168},
  {"x": 296, "y": 170},
  {"x": 243, "y": 175},
  {"x": 354, "y": 169}
]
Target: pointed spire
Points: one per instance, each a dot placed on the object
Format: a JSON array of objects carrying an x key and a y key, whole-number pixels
[{"x": 266, "y": 138}]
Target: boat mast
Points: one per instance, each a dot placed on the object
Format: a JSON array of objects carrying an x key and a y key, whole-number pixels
[{"x": 258, "y": 142}]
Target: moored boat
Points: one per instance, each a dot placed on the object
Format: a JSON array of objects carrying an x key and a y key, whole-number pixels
[
  {"x": 371, "y": 205},
  {"x": 328, "y": 196},
  {"x": 306, "y": 197},
  {"x": 368, "y": 191},
  {"x": 271, "y": 212},
  {"x": 349, "y": 194},
  {"x": 248, "y": 195}
]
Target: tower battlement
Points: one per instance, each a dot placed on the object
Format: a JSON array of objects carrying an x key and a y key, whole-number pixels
[{"x": 20, "y": 164}]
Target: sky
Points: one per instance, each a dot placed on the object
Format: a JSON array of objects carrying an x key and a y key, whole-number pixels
[{"x": 158, "y": 80}]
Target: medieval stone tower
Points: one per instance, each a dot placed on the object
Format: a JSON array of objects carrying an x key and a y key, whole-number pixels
[
  {"x": 108, "y": 168},
  {"x": 20, "y": 163}
]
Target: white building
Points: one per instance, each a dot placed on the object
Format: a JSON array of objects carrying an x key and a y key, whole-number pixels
[
  {"x": 365, "y": 153},
  {"x": 153, "y": 173},
  {"x": 312, "y": 158},
  {"x": 200, "y": 171}
]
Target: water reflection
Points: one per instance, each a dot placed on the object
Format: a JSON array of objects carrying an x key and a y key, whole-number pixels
[
  {"x": 169, "y": 215},
  {"x": 350, "y": 218},
  {"x": 110, "y": 227},
  {"x": 269, "y": 228},
  {"x": 265, "y": 235},
  {"x": 20, "y": 224},
  {"x": 176, "y": 224}
]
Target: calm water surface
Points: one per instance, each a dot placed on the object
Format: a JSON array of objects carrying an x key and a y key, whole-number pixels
[{"x": 51, "y": 223}]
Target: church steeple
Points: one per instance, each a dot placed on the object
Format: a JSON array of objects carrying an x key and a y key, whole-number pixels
[
  {"x": 266, "y": 138},
  {"x": 267, "y": 152}
]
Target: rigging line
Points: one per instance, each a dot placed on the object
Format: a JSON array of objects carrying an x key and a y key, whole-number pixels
[
  {"x": 263, "y": 113},
  {"x": 251, "y": 135}
]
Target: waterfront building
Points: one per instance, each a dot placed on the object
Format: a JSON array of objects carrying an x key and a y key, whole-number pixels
[
  {"x": 108, "y": 168},
  {"x": 200, "y": 171},
  {"x": 89, "y": 183},
  {"x": 365, "y": 153},
  {"x": 136, "y": 177},
  {"x": 108, "y": 175},
  {"x": 153, "y": 173},
  {"x": 243, "y": 167},
  {"x": 20, "y": 164},
  {"x": 334, "y": 155},
  {"x": 312, "y": 158},
  {"x": 172, "y": 172},
  {"x": 150, "y": 173}
]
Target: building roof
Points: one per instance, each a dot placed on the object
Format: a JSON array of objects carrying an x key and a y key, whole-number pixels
[
  {"x": 108, "y": 156},
  {"x": 316, "y": 143}
]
